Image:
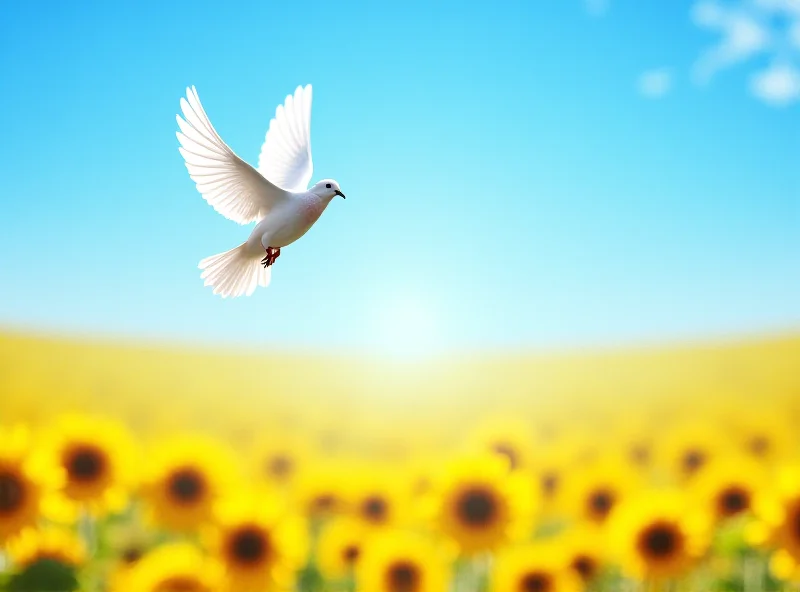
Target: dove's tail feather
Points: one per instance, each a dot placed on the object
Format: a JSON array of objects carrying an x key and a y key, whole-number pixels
[{"x": 235, "y": 272}]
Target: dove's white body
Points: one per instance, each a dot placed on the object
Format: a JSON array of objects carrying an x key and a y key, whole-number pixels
[
  {"x": 287, "y": 221},
  {"x": 275, "y": 195}
]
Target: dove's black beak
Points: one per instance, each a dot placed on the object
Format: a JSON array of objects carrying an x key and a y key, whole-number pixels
[{"x": 340, "y": 193}]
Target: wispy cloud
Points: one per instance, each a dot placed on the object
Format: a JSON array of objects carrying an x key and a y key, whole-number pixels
[
  {"x": 750, "y": 28},
  {"x": 743, "y": 36},
  {"x": 655, "y": 83},
  {"x": 778, "y": 85}
]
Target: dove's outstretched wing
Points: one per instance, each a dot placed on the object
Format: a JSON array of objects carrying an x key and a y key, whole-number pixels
[
  {"x": 285, "y": 157},
  {"x": 232, "y": 187}
]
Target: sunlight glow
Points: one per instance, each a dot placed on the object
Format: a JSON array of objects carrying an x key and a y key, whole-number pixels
[{"x": 406, "y": 328}]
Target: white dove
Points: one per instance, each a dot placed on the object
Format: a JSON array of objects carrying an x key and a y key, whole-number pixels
[{"x": 275, "y": 195}]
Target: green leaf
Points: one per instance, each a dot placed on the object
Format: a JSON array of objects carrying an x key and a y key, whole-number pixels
[
  {"x": 730, "y": 584},
  {"x": 310, "y": 579},
  {"x": 547, "y": 529},
  {"x": 45, "y": 575}
]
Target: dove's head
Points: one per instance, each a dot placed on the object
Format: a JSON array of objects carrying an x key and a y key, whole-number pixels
[{"x": 327, "y": 188}]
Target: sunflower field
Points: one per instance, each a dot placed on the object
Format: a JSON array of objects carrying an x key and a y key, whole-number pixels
[{"x": 143, "y": 468}]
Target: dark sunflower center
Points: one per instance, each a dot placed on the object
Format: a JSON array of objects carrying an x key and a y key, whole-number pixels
[
  {"x": 600, "y": 502},
  {"x": 659, "y": 541},
  {"x": 180, "y": 584},
  {"x": 249, "y": 545},
  {"x": 692, "y": 460},
  {"x": 759, "y": 445},
  {"x": 733, "y": 501},
  {"x": 132, "y": 554},
  {"x": 85, "y": 463},
  {"x": 403, "y": 577},
  {"x": 640, "y": 454},
  {"x": 186, "y": 485},
  {"x": 280, "y": 466},
  {"x": 549, "y": 483},
  {"x": 477, "y": 507},
  {"x": 12, "y": 493},
  {"x": 323, "y": 502},
  {"x": 350, "y": 554},
  {"x": 795, "y": 524},
  {"x": 507, "y": 451},
  {"x": 585, "y": 566},
  {"x": 536, "y": 582},
  {"x": 374, "y": 508}
]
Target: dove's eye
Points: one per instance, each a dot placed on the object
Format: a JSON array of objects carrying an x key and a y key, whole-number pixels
[{"x": 328, "y": 185}]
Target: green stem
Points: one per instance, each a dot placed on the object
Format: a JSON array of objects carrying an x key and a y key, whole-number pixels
[
  {"x": 480, "y": 564},
  {"x": 88, "y": 532},
  {"x": 461, "y": 575},
  {"x": 752, "y": 574}
]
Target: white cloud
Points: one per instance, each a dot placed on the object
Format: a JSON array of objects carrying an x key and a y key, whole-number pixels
[
  {"x": 708, "y": 14},
  {"x": 777, "y": 85},
  {"x": 743, "y": 36},
  {"x": 750, "y": 28},
  {"x": 596, "y": 7},
  {"x": 787, "y": 6},
  {"x": 655, "y": 83}
]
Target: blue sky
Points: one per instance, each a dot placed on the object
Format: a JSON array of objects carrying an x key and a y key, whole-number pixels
[{"x": 518, "y": 173}]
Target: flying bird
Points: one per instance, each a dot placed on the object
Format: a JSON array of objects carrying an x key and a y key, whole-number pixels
[{"x": 275, "y": 195}]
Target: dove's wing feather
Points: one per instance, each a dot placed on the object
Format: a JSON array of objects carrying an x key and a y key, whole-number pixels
[
  {"x": 230, "y": 185},
  {"x": 285, "y": 157}
]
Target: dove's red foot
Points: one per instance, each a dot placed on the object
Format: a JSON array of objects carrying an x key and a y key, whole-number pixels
[{"x": 272, "y": 256}]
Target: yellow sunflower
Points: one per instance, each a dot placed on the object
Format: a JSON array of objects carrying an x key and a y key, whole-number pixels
[
  {"x": 598, "y": 488},
  {"x": 57, "y": 544},
  {"x": 322, "y": 491},
  {"x": 420, "y": 471},
  {"x": 128, "y": 543},
  {"x": 376, "y": 496},
  {"x": 764, "y": 435},
  {"x": 634, "y": 440},
  {"x": 417, "y": 476},
  {"x": 784, "y": 566},
  {"x": 260, "y": 545},
  {"x": 184, "y": 477},
  {"x": 658, "y": 535},
  {"x": 729, "y": 485},
  {"x": 278, "y": 459},
  {"x": 688, "y": 447},
  {"x": 119, "y": 570},
  {"x": 552, "y": 471},
  {"x": 341, "y": 545},
  {"x": 534, "y": 567},
  {"x": 172, "y": 567},
  {"x": 548, "y": 484},
  {"x": 584, "y": 551},
  {"x": 402, "y": 562},
  {"x": 479, "y": 505},
  {"x": 777, "y": 511},
  {"x": 98, "y": 458},
  {"x": 508, "y": 438},
  {"x": 129, "y": 540},
  {"x": 24, "y": 482}
]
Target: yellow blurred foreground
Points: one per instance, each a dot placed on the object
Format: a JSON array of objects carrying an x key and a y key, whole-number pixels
[{"x": 161, "y": 469}]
